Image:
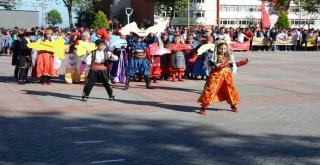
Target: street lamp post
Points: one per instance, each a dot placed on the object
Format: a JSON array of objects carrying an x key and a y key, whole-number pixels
[
  {"x": 189, "y": 14},
  {"x": 129, "y": 11}
]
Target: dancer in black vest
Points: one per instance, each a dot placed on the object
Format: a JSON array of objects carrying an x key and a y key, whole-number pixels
[
  {"x": 98, "y": 60},
  {"x": 24, "y": 54}
]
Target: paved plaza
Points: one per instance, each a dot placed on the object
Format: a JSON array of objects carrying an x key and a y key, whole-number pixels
[{"x": 278, "y": 122}]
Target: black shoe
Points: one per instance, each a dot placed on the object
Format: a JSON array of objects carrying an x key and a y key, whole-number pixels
[
  {"x": 149, "y": 86},
  {"x": 84, "y": 98},
  {"x": 112, "y": 97}
]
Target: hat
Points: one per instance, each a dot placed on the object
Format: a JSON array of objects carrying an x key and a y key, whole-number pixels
[
  {"x": 177, "y": 35},
  {"x": 165, "y": 34},
  {"x": 208, "y": 30},
  {"x": 219, "y": 42}
]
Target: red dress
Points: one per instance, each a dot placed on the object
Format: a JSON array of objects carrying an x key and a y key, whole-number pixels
[{"x": 44, "y": 65}]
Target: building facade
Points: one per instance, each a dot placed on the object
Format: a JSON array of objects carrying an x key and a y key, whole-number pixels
[{"x": 235, "y": 13}]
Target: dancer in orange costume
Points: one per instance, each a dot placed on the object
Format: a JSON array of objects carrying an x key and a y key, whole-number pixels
[
  {"x": 219, "y": 86},
  {"x": 44, "y": 65}
]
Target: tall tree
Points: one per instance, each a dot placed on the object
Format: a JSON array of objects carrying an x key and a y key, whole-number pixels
[
  {"x": 310, "y": 6},
  {"x": 54, "y": 17},
  {"x": 100, "y": 21},
  {"x": 283, "y": 21},
  {"x": 173, "y": 6},
  {"x": 70, "y": 4},
  {"x": 84, "y": 13},
  {"x": 9, "y": 4}
]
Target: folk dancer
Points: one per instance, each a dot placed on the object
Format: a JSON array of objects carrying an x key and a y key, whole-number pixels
[
  {"x": 98, "y": 60},
  {"x": 219, "y": 85}
]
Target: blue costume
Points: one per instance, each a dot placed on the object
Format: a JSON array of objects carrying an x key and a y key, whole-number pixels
[{"x": 138, "y": 63}]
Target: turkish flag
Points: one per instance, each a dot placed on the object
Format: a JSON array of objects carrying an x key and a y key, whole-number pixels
[{"x": 264, "y": 16}]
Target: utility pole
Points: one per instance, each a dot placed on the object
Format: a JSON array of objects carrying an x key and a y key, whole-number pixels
[
  {"x": 189, "y": 14},
  {"x": 218, "y": 13}
]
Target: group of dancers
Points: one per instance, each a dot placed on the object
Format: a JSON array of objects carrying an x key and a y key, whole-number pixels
[{"x": 122, "y": 58}]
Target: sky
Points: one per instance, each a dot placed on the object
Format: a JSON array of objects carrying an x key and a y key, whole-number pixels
[{"x": 52, "y": 5}]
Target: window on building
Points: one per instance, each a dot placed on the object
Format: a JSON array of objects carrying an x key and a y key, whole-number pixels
[
  {"x": 224, "y": 8},
  {"x": 311, "y": 21},
  {"x": 249, "y": 8},
  {"x": 197, "y": 1},
  {"x": 258, "y": 22},
  {"x": 164, "y": 14},
  {"x": 303, "y": 21},
  {"x": 252, "y": 8},
  {"x": 228, "y": 21},
  {"x": 243, "y": 8},
  {"x": 295, "y": 9},
  {"x": 244, "y": 22},
  {"x": 228, "y": 8},
  {"x": 233, "y": 8},
  {"x": 198, "y": 14}
]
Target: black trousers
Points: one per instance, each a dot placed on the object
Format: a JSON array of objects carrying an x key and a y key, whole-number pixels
[
  {"x": 16, "y": 72},
  {"x": 22, "y": 75},
  {"x": 97, "y": 75}
]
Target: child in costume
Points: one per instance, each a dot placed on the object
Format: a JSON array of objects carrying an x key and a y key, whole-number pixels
[
  {"x": 177, "y": 63},
  {"x": 24, "y": 54},
  {"x": 44, "y": 62},
  {"x": 98, "y": 62},
  {"x": 138, "y": 63},
  {"x": 84, "y": 70},
  {"x": 219, "y": 86},
  {"x": 72, "y": 73},
  {"x": 119, "y": 67}
]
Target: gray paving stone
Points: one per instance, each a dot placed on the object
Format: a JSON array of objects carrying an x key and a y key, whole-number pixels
[{"x": 278, "y": 122}]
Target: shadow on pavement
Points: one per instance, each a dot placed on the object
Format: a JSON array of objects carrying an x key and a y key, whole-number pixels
[
  {"x": 56, "y": 139},
  {"x": 60, "y": 95},
  {"x": 175, "y": 107},
  {"x": 175, "y": 88}
]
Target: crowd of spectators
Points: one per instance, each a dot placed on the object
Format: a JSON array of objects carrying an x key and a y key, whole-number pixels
[{"x": 299, "y": 36}]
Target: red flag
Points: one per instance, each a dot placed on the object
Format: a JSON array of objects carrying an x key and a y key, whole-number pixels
[
  {"x": 157, "y": 50},
  {"x": 264, "y": 16}
]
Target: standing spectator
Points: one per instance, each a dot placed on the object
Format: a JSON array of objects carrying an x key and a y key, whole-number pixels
[
  {"x": 249, "y": 33},
  {"x": 304, "y": 37},
  {"x": 241, "y": 37},
  {"x": 2, "y": 43},
  {"x": 273, "y": 37}
]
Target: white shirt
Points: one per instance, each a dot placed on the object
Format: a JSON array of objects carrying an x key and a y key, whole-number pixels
[
  {"x": 240, "y": 38},
  {"x": 99, "y": 56}
]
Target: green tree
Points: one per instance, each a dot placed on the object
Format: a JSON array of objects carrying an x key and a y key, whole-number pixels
[
  {"x": 9, "y": 4},
  {"x": 84, "y": 14},
  {"x": 69, "y": 4},
  {"x": 173, "y": 6},
  {"x": 100, "y": 21},
  {"x": 310, "y": 6},
  {"x": 283, "y": 21},
  {"x": 54, "y": 17}
]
